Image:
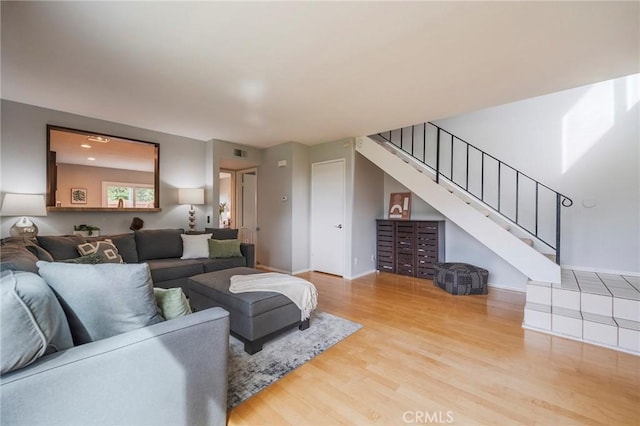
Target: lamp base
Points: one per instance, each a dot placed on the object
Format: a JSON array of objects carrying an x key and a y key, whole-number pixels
[
  {"x": 24, "y": 228},
  {"x": 192, "y": 219}
]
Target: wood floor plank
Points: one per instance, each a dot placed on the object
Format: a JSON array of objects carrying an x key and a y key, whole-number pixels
[{"x": 423, "y": 355}]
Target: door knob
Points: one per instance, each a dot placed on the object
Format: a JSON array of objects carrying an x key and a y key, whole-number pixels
[{"x": 338, "y": 226}]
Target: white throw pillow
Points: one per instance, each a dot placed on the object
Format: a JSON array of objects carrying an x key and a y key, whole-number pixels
[{"x": 195, "y": 246}]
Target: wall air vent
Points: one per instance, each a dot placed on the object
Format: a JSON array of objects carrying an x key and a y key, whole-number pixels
[{"x": 239, "y": 153}]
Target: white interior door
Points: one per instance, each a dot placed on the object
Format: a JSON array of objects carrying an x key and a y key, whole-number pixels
[
  {"x": 327, "y": 217},
  {"x": 247, "y": 213}
]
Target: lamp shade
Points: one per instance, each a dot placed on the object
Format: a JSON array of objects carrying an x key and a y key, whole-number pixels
[
  {"x": 191, "y": 196},
  {"x": 24, "y": 205}
]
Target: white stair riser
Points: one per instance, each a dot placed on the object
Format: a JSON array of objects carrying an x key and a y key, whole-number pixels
[
  {"x": 626, "y": 309},
  {"x": 566, "y": 325},
  {"x": 629, "y": 339},
  {"x": 538, "y": 294},
  {"x": 537, "y": 319},
  {"x": 596, "y": 304},
  {"x": 566, "y": 298},
  {"x": 600, "y": 333}
]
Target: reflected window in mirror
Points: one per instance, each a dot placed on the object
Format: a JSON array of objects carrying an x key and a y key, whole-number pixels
[{"x": 112, "y": 172}]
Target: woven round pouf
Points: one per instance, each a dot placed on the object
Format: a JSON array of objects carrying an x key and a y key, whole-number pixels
[{"x": 461, "y": 278}]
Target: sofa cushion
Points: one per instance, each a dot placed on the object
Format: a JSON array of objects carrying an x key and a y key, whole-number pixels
[
  {"x": 222, "y": 233},
  {"x": 158, "y": 243},
  {"x": 218, "y": 264},
  {"x": 172, "y": 269},
  {"x": 61, "y": 247},
  {"x": 195, "y": 246},
  {"x": 103, "y": 300},
  {"x": 172, "y": 302},
  {"x": 224, "y": 248},
  {"x": 14, "y": 256},
  {"x": 33, "y": 323},
  {"x": 125, "y": 243},
  {"x": 107, "y": 251},
  {"x": 31, "y": 245}
]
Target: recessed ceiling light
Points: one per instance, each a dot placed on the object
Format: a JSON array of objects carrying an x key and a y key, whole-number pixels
[
  {"x": 91, "y": 159},
  {"x": 85, "y": 145},
  {"x": 100, "y": 139}
]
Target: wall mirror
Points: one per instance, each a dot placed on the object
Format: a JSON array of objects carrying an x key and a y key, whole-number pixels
[{"x": 89, "y": 171}]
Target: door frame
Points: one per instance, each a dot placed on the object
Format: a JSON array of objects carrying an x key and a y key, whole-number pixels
[
  {"x": 232, "y": 201},
  {"x": 240, "y": 203},
  {"x": 342, "y": 161}
]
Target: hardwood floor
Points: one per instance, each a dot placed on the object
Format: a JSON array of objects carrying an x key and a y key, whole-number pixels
[{"x": 424, "y": 357}]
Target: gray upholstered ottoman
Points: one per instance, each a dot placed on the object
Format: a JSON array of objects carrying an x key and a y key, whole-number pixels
[
  {"x": 255, "y": 317},
  {"x": 461, "y": 278}
]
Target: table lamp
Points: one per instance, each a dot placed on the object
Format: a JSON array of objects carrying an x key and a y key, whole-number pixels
[
  {"x": 191, "y": 196},
  {"x": 24, "y": 205}
]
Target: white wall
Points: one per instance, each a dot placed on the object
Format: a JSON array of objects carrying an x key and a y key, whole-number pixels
[
  {"x": 368, "y": 195},
  {"x": 583, "y": 142},
  {"x": 274, "y": 215},
  {"x": 301, "y": 208},
  {"x": 23, "y": 169}
]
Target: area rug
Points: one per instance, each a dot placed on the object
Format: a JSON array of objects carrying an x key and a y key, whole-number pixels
[{"x": 249, "y": 374}]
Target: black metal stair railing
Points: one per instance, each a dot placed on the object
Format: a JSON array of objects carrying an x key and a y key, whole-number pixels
[{"x": 522, "y": 200}]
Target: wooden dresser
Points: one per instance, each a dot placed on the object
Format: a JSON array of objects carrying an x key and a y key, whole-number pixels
[{"x": 409, "y": 247}]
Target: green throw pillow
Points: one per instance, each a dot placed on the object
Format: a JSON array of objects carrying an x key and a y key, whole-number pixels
[
  {"x": 90, "y": 259},
  {"x": 224, "y": 248},
  {"x": 172, "y": 302}
]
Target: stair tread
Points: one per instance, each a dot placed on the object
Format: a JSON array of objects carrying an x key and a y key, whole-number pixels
[
  {"x": 601, "y": 319},
  {"x": 566, "y": 312},
  {"x": 629, "y": 324}
]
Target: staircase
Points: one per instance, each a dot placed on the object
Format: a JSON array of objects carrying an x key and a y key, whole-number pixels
[
  {"x": 518, "y": 218},
  {"x": 461, "y": 208}
]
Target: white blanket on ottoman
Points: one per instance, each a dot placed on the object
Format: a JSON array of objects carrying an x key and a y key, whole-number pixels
[{"x": 301, "y": 292}]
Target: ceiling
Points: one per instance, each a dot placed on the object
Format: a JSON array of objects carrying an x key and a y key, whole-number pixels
[{"x": 264, "y": 73}]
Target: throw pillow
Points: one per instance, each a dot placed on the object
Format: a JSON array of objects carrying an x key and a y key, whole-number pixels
[
  {"x": 195, "y": 246},
  {"x": 90, "y": 259},
  {"x": 224, "y": 248},
  {"x": 172, "y": 302},
  {"x": 61, "y": 247},
  {"x": 16, "y": 257},
  {"x": 126, "y": 244},
  {"x": 103, "y": 300},
  {"x": 33, "y": 323},
  {"x": 158, "y": 243},
  {"x": 223, "y": 233},
  {"x": 106, "y": 249}
]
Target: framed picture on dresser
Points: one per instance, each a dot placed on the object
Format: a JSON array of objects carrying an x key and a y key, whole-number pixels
[{"x": 400, "y": 205}]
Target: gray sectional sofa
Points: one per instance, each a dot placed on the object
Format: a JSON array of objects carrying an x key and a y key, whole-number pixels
[
  {"x": 170, "y": 372},
  {"x": 161, "y": 249}
]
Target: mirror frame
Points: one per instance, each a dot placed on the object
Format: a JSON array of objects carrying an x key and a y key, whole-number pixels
[{"x": 52, "y": 176}]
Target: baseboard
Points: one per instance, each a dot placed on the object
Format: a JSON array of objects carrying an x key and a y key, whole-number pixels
[
  {"x": 360, "y": 275},
  {"x": 604, "y": 271},
  {"x": 269, "y": 268},
  {"x": 504, "y": 287},
  {"x": 301, "y": 271},
  {"x": 575, "y": 339}
]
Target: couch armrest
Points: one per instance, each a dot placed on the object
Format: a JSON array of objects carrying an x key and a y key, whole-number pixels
[
  {"x": 174, "y": 372},
  {"x": 249, "y": 252}
]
